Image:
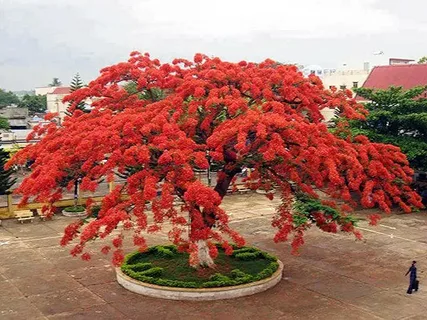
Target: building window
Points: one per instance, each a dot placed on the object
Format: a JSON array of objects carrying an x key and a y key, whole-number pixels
[
  {"x": 343, "y": 87},
  {"x": 355, "y": 85}
]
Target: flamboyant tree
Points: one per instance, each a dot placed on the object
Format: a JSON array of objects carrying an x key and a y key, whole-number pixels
[{"x": 154, "y": 124}]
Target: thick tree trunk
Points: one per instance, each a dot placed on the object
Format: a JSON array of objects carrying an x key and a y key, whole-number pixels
[{"x": 204, "y": 258}]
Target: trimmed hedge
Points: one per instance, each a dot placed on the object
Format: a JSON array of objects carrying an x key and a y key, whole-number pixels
[
  {"x": 149, "y": 272},
  {"x": 75, "y": 209}
]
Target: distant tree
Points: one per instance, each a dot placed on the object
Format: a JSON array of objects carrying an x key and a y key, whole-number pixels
[
  {"x": 4, "y": 124},
  {"x": 6, "y": 181},
  {"x": 35, "y": 104},
  {"x": 77, "y": 83},
  {"x": 55, "y": 83},
  {"x": 423, "y": 60},
  {"x": 399, "y": 117},
  {"x": 7, "y": 98}
]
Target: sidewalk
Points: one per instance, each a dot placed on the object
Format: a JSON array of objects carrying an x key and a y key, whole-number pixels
[{"x": 334, "y": 277}]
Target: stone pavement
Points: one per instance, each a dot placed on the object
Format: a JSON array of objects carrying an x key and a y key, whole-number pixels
[{"x": 335, "y": 277}]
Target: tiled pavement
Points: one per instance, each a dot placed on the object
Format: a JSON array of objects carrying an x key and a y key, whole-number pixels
[{"x": 334, "y": 277}]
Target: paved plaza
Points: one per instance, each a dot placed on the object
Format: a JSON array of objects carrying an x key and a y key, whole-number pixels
[{"x": 335, "y": 277}]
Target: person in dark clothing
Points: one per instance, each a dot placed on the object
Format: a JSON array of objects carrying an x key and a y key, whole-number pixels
[{"x": 412, "y": 277}]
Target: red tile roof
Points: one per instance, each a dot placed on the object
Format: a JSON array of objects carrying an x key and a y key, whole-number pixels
[
  {"x": 62, "y": 90},
  {"x": 407, "y": 76}
]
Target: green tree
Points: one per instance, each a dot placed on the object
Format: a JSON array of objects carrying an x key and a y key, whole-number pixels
[
  {"x": 4, "y": 124},
  {"x": 55, "y": 83},
  {"x": 77, "y": 83},
  {"x": 7, "y": 98},
  {"x": 399, "y": 117},
  {"x": 423, "y": 60},
  {"x": 6, "y": 181},
  {"x": 155, "y": 94},
  {"x": 35, "y": 104}
]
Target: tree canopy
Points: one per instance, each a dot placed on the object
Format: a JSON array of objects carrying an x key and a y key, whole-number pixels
[
  {"x": 398, "y": 117},
  {"x": 422, "y": 60},
  {"x": 77, "y": 83},
  {"x": 7, "y": 98},
  {"x": 6, "y": 181},
  {"x": 265, "y": 116},
  {"x": 55, "y": 82},
  {"x": 34, "y": 103},
  {"x": 4, "y": 123}
]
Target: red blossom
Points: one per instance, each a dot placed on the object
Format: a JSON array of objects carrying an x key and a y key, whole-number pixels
[
  {"x": 105, "y": 249},
  {"x": 265, "y": 116},
  {"x": 86, "y": 256},
  {"x": 373, "y": 219}
]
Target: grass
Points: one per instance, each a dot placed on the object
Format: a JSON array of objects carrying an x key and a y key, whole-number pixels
[{"x": 164, "y": 265}]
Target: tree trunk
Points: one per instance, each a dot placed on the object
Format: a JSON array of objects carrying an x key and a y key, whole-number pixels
[
  {"x": 76, "y": 192},
  {"x": 204, "y": 258}
]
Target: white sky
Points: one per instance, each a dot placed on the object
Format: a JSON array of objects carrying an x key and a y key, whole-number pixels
[{"x": 42, "y": 39}]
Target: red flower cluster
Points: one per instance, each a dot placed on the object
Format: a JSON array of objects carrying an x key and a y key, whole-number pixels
[{"x": 155, "y": 124}]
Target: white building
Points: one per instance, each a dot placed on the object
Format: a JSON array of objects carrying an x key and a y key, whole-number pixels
[
  {"x": 341, "y": 79},
  {"x": 54, "y": 101}
]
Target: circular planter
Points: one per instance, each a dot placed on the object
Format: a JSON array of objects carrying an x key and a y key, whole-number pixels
[
  {"x": 74, "y": 214},
  {"x": 260, "y": 191},
  {"x": 203, "y": 294}
]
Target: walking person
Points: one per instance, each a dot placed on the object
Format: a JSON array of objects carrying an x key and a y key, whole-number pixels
[{"x": 412, "y": 278}]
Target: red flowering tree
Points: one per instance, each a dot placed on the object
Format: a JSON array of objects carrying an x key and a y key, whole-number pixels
[{"x": 154, "y": 124}]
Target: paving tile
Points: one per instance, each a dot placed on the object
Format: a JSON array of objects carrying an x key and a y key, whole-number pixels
[
  {"x": 68, "y": 263},
  {"x": 19, "y": 309},
  {"x": 19, "y": 256},
  {"x": 334, "y": 312},
  {"x": 47, "y": 242},
  {"x": 342, "y": 288},
  {"x": 389, "y": 305},
  {"x": 102, "y": 311},
  {"x": 114, "y": 293},
  {"x": 68, "y": 301},
  {"x": 42, "y": 284},
  {"x": 28, "y": 269},
  {"x": 29, "y": 230},
  {"x": 9, "y": 291},
  {"x": 94, "y": 275}
]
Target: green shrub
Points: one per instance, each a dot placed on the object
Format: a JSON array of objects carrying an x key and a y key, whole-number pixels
[
  {"x": 247, "y": 256},
  {"x": 267, "y": 272},
  {"x": 219, "y": 277},
  {"x": 164, "y": 252},
  {"x": 141, "y": 266},
  {"x": 75, "y": 209},
  {"x": 95, "y": 211},
  {"x": 245, "y": 249},
  {"x": 152, "y": 272},
  {"x": 152, "y": 267},
  {"x": 237, "y": 273}
]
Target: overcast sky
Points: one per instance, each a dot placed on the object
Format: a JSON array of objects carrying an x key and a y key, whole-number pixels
[{"x": 42, "y": 39}]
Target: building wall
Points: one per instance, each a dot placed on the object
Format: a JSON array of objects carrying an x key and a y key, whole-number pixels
[
  {"x": 44, "y": 90},
  {"x": 55, "y": 104},
  {"x": 345, "y": 78}
]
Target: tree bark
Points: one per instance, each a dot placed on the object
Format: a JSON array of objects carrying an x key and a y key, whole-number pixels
[
  {"x": 209, "y": 218},
  {"x": 204, "y": 258}
]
